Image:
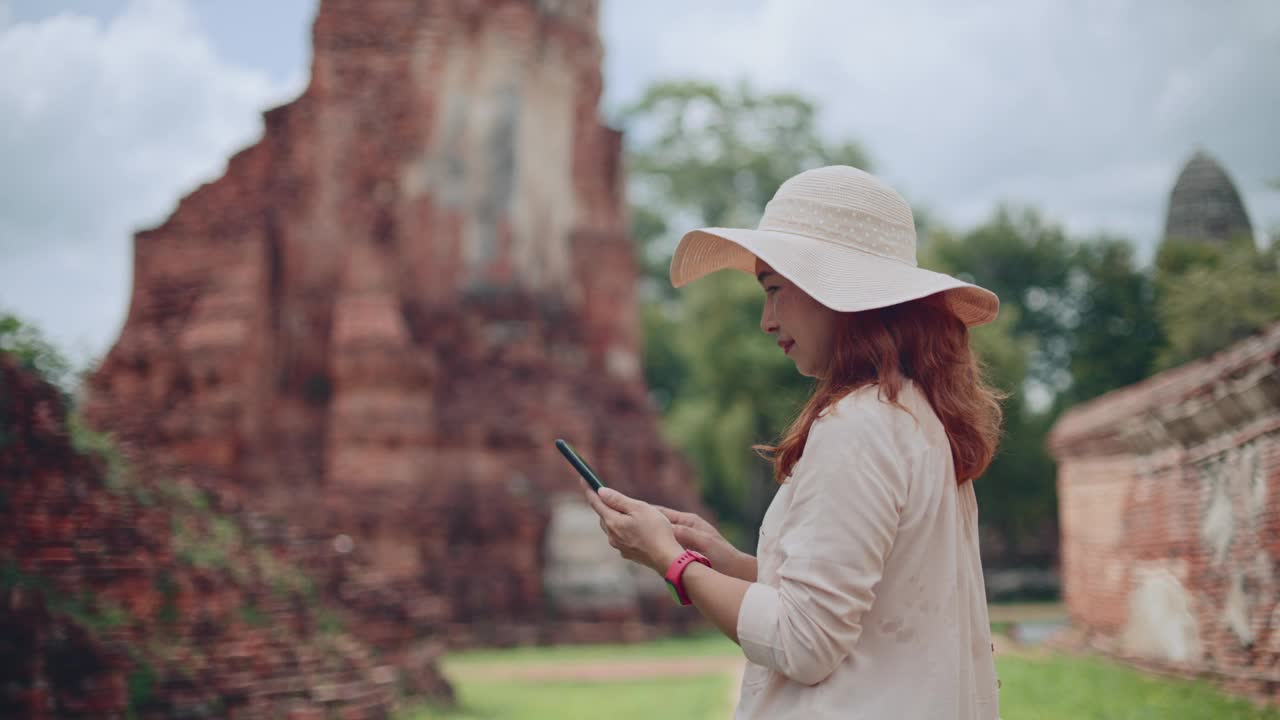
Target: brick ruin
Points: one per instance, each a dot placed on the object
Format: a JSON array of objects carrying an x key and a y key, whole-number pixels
[
  {"x": 1170, "y": 537},
  {"x": 123, "y": 596},
  {"x": 381, "y": 316},
  {"x": 1170, "y": 526}
]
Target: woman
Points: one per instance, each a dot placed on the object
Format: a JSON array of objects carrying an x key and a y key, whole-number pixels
[{"x": 867, "y": 598}]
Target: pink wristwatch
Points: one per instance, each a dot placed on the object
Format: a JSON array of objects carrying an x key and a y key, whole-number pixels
[{"x": 675, "y": 573}]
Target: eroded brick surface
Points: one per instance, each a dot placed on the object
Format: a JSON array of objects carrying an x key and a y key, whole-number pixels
[
  {"x": 379, "y": 319},
  {"x": 1170, "y": 525},
  {"x": 121, "y": 591}
]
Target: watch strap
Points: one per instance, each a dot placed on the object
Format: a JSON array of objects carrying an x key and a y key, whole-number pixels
[{"x": 675, "y": 573}]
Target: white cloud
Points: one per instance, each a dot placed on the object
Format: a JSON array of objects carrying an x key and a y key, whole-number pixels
[
  {"x": 106, "y": 126},
  {"x": 1086, "y": 110}
]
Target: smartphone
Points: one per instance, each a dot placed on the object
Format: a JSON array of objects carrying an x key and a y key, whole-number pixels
[{"x": 580, "y": 465}]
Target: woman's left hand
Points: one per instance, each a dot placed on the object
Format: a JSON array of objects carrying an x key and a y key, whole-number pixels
[{"x": 636, "y": 529}]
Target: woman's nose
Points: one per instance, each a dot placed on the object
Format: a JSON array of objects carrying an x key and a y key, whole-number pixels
[{"x": 767, "y": 322}]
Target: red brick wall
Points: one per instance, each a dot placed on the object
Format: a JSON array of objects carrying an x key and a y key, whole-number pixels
[
  {"x": 123, "y": 593},
  {"x": 1168, "y": 494},
  {"x": 383, "y": 314}
]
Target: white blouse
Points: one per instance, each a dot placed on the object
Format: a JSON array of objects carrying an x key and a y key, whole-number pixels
[{"x": 870, "y": 601}]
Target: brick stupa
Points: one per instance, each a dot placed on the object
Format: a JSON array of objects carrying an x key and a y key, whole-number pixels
[{"x": 378, "y": 320}]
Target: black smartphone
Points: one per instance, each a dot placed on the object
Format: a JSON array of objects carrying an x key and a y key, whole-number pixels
[{"x": 580, "y": 465}]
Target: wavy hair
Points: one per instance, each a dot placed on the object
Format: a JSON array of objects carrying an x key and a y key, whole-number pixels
[{"x": 922, "y": 341}]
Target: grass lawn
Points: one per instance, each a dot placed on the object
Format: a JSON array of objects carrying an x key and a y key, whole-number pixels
[
  {"x": 709, "y": 644},
  {"x": 696, "y": 698},
  {"x": 1052, "y": 687},
  {"x": 482, "y": 697},
  {"x": 1084, "y": 688}
]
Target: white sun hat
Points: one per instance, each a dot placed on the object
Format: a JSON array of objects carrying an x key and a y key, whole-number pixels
[{"x": 844, "y": 237}]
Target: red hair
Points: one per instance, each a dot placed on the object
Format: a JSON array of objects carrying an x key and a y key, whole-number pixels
[{"x": 922, "y": 341}]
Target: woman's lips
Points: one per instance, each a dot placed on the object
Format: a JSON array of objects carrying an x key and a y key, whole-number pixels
[{"x": 786, "y": 345}]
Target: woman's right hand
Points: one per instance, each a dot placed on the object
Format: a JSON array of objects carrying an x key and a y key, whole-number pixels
[{"x": 694, "y": 533}]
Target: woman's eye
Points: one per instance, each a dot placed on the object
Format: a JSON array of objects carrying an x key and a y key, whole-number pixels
[{"x": 771, "y": 290}]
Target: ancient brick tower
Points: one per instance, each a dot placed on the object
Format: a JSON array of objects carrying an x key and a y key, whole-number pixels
[
  {"x": 1205, "y": 205},
  {"x": 382, "y": 315}
]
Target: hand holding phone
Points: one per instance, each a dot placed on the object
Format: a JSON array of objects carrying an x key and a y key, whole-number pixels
[{"x": 579, "y": 464}]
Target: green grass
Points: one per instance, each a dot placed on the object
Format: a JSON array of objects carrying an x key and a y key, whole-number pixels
[
  {"x": 481, "y": 698},
  {"x": 1015, "y": 612},
  {"x": 694, "y": 646},
  {"x": 1054, "y": 687},
  {"x": 695, "y": 698},
  {"x": 1084, "y": 688}
]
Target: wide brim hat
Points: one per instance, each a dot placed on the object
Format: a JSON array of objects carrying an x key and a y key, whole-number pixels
[{"x": 844, "y": 237}]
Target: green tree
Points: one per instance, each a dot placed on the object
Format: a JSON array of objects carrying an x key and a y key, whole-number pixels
[
  {"x": 1030, "y": 264},
  {"x": 1077, "y": 318},
  {"x": 702, "y": 155},
  {"x": 1088, "y": 311},
  {"x": 1212, "y": 297},
  {"x": 26, "y": 343},
  {"x": 1118, "y": 336},
  {"x": 1017, "y": 493},
  {"x": 1083, "y": 317},
  {"x": 740, "y": 390}
]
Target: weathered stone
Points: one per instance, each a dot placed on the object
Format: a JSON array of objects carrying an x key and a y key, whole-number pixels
[
  {"x": 1161, "y": 623},
  {"x": 582, "y": 570},
  {"x": 151, "y": 607},
  {"x": 382, "y": 315},
  {"x": 1169, "y": 544}
]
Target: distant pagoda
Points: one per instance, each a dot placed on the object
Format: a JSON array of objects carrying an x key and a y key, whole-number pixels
[{"x": 1205, "y": 205}]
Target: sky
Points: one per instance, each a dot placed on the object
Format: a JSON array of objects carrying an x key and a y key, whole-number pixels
[{"x": 112, "y": 110}]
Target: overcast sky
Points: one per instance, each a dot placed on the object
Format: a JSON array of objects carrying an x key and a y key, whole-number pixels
[{"x": 110, "y": 110}]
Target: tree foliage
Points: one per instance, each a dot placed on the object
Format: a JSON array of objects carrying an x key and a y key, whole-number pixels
[
  {"x": 702, "y": 155},
  {"x": 1017, "y": 492},
  {"x": 1213, "y": 296},
  {"x": 1119, "y": 334},
  {"x": 1028, "y": 263},
  {"x": 1078, "y": 316},
  {"x": 1082, "y": 313},
  {"x": 705, "y": 156},
  {"x": 28, "y": 345}
]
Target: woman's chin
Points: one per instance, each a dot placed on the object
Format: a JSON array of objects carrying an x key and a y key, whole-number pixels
[{"x": 807, "y": 371}]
